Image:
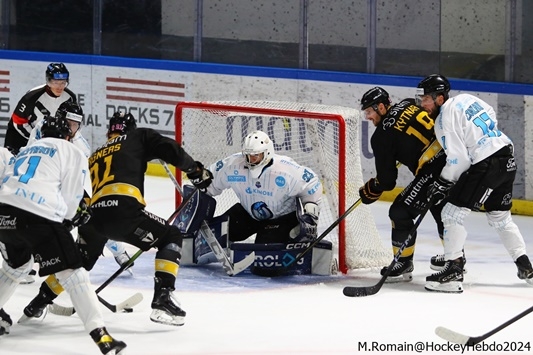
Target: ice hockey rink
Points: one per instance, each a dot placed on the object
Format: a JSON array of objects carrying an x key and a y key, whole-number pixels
[{"x": 247, "y": 314}]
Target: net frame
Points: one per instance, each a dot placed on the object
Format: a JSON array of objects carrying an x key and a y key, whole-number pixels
[{"x": 270, "y": 108}]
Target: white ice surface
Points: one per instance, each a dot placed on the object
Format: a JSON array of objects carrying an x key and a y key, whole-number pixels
[{"x": 246, "y": 314}]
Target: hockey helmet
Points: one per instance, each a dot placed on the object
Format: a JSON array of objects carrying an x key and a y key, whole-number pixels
[
  {"x": 56, "y": 71},
  {"x": 56, "y": 127},
  {"x": 258, "y": 151},
  {"x": 375, "y": 96},
  {"x": 433, "y": 85},
  {"x": 71, "y": 111},
  {"x": 121, "y": 123}
]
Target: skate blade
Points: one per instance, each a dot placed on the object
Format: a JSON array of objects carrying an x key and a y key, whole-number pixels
[
  {"x": 439, "y": 268},
  {"x": 407, "y": 277},
  {"x": 24, "y": 319},
  {"x": 162, "y": 317},
  {"x": 448, "y": 287}
]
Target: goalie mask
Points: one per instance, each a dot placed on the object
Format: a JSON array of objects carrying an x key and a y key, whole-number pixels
[{"x": 258, "y": 151}]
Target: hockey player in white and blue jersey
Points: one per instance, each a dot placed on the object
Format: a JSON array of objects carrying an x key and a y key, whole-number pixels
[
  {"x": 480, "y": 171},
  {"x": 40, "y": 201}
]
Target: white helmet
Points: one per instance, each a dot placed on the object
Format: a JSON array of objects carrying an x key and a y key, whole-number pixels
[{"x": 257, "y": 143}]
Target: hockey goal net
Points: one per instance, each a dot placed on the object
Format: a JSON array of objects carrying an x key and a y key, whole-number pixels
[{"x": 323, "y": 138}]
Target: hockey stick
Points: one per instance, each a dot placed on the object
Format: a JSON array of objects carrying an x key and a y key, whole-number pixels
[
  {"x": 230, "y": 268},
  {"x": 125, "y": 305},
  {"x": 362, "y": 291},
  {"x": 285, "y": 269},
  {"x": 458, "y": 338}
]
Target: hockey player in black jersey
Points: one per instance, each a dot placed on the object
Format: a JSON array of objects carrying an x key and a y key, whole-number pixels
[
  {"x": 117, "y": 174},
  {"x": 43, "y": 100},
  {"x": 404, "y": 133}
]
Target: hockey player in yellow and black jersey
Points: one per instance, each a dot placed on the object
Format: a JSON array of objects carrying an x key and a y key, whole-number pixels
[
  {"x": 117, "y": 174},
  {"x": 404, "y": 133}
]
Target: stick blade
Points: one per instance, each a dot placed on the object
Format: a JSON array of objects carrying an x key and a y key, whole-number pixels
[
  {"x": 129, "y": 303},
  {"x": 351, "y": 291},
  {"x": 452, "y": 336},
  {"x": 59, "y": 310}
]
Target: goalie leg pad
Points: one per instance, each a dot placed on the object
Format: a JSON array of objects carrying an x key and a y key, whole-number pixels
[
  {"x": 202, "y": 251},
  {"x": 276, "y": 255}
]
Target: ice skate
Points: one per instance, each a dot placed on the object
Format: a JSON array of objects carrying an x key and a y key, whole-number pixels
[
  {"x": 525, "y": 270},
  {"x": 5, "y": 322},
  {"x": 36, "y": 308},
  {"x": 165, "y": 307},
  {"x": 122, "y": 259},
  {"x": 401, "y": 271},
  {"x": 437, "y": 262},
  {"x": 449, "y": 279},
  {"x": 106, "y": 343}
]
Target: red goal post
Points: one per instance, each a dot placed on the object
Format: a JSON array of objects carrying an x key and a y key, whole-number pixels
[{"x": 324, "y": 138}]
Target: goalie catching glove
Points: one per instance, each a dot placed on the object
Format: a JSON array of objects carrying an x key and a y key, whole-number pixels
[
  {"x": 307, "y": 215},
  {"x": 438, "y": 191},
  {"x": 82, "y": 216},
  {"x": 370, "y": 192},
  {"x": 200, "y": 177}
]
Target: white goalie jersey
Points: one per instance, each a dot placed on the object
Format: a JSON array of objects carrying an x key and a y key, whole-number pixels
[{"x": 274, "y": 192}]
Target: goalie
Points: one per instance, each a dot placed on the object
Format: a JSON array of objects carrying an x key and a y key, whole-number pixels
[{"x": 278, "y": 202}]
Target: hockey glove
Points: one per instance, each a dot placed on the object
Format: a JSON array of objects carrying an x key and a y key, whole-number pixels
[
  {"x": 201, "y": 177},
  {"x": 370, "y": 192},
  {"x": 438, "y": 191},
  {"x": 82, "y": 216},
  {"x": 308, "y": 217}
]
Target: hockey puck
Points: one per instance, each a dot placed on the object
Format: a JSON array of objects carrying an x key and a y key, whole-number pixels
[{"x": 127, "y": 310}]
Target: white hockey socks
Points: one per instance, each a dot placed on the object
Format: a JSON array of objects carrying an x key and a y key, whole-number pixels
[
  {"x": 76, "y": 283},
  {"x": 508, "y": 231},
  {"x": 10, "y": 278},
  {"x": 454, "y": 231}
]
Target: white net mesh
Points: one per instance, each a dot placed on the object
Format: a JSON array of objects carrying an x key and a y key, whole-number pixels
[{"x": 324, "y": 138}]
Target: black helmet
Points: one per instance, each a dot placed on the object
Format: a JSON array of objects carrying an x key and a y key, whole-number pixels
[
  {"x": 56, "y": 127},
  {"x": 375, "y": 96},
  {"x": 434, "y": 84},
  {"x": 121, "y": 123},
  {"x": 56, "y": 71},
  {"x": 71, "y": 111}
]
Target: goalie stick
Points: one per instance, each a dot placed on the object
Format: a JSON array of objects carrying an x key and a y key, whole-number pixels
[
  {"x": 230, "y": 268},
  {"x": 362, "y": 291},
  {"x": 458, "y": 338},
  {"x": 285, "y": 269}
]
